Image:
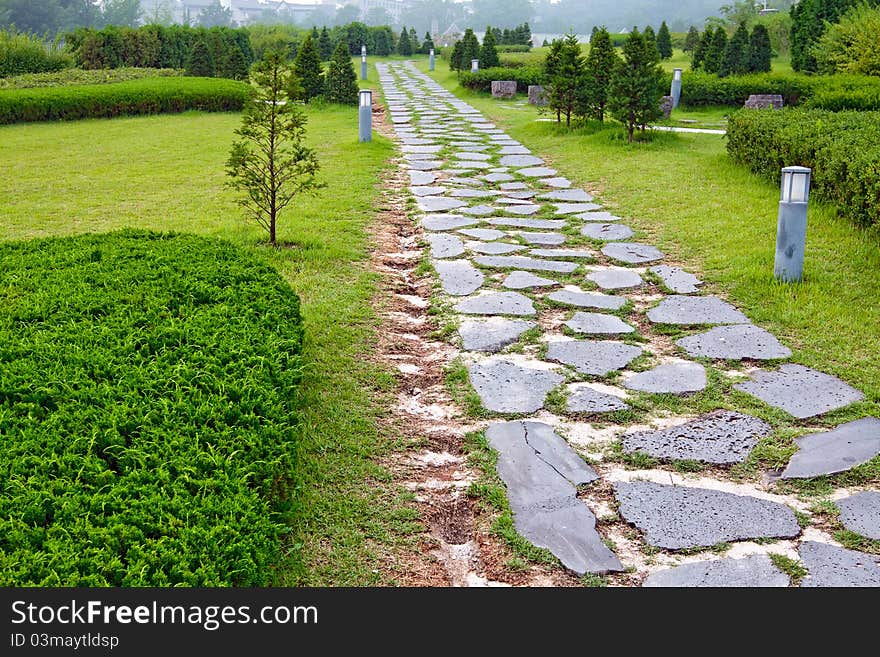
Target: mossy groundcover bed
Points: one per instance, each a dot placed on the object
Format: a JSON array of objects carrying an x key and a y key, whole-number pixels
[{"x": 147, "y": 411}]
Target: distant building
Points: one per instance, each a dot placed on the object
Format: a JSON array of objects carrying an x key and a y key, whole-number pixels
[
  {"x": 450, "y": 36},
  {"x": 243, "y": 11}
]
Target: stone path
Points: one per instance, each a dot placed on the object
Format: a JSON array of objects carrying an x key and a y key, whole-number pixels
[{"x": 557, "y": 303}]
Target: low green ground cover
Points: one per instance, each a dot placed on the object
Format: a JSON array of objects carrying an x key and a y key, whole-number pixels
[{"x": 77, "y": 76}]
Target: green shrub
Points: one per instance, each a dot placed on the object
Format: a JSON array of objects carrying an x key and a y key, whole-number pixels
[
  {"x": 24, "y": 53},
  {"x": 513, "y": 48},
  {"x": 146, "y": 96},
  {"x": 76, "y": 76},
  {"x": 147, "y": 419},
  {"x": 524, "y": 76},
  {"x": 842, "y": 149},
  {"x": 850, "y": 46}
]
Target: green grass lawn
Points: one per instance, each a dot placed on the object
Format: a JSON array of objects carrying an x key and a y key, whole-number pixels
[{"x": 167, "y": 173}]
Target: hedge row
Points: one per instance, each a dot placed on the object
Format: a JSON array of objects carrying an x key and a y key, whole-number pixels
[
  {"x": 76, "y": 76},
  {"x": 145, "y": 96},
  {"x": 27, "y": 53},
  {"x": 523, "y": 75},
  {"x": 147, "y": 421},
  {"x": 842, "y": 149}
]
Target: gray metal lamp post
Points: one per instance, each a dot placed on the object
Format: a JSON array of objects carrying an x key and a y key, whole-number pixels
[
  {"x": 475, "y": 65},
  {"x": 791, "y": 231},
  {"x": 363, "y": 62},
  {"x": 675, "y": 92},
  {"x": 431, "y": 60},
  {"x": 366, "y": 115}
]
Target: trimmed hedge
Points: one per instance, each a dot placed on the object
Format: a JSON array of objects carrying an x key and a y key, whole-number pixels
[
  {"x": 145, "y": 96},
  {"x": 28, "y": 53},
  {"x": 842, "y": 149},
  {"x": 523, "y": 75},
  {"x": 75, "y": 76},
  {"x": 147, "y": 420}
]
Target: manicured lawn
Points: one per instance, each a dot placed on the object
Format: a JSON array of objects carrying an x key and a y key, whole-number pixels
[{"x": 167, "y": 173}]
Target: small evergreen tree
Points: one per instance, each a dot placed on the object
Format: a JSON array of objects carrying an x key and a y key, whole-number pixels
[
  {"x": 506, "y": 37},
  {"x": 234, "y": 65},
  {"x": 601, "y": 64},
  {"x": 567, "y": 83},
  {"x": 545, "y": 43},
  {"x": 651, "y": 40},
  {"x": 664, "y": 41},
  {"x": 413, "y": 40},
  {"x": 427, "y": 44},
  {"x": 340, "y": 83},
  {"x": 692, "y": 39},
  {"x": 715, "y": 51},
  {"x": 315, "y": 35},
  {"x": 525, "y": 35},
  {"x": 325, "y": 44},
  {"x": 760, "y": 50},
  {"x": 456, "y": 58},
  {"x": 470, "y": 49},
  {"x": 634, "y": 97},
  {"x": 307, "y": 67},
  {"x": 488, "y": 53},
  {"x": 735, "y": 60},
  {"x": 404, "y": 45},
  {"x": 551, "y": 64},
  {"x": 698, "y": 59},
  {"x": 200, "y": 62}
]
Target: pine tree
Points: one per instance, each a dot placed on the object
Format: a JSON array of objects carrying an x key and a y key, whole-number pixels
[
  {"x": 427, "y": 44},
  {"x": 601, "y": 64},
  {"x": 698, "y": 59},
  {"x": 692, "y": 39},
  {"x": 651, "y": 40},
  {"x": 488, "y": 53},
  {"x": 307, "y": 67},
  {"x": 567, "y": 83},
  {"x": 634, "y": 97},
  {"x": 470, "y": 49},
  {"x": 234, "y": 64},
  {"x": 735, "y": 60},
  {"x": 545, "y": 43},
  {"x": 315, "y": 35},
  {"x": 404, "y": 45},
  {"x": 664, "y": 41},
  {"x": 200, "y": 62},
  {"x": 506, "y": 38},
  {"x": 715, "y": 51},
  {"x": 760, "y": 50},
  {"x": 526, "y": 35},
  {"x": 456, "y": 58},
  {"x": 413, "y": 40},
  {"x": 340, "y": 83},
  {"x": 325, "y": 44},
  {"x": 551, "y": 64}
]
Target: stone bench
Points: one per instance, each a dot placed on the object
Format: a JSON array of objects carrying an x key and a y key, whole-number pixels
[
  {"x": 764, "y": 101},
  {"x": 537, "y": 95},
  {"x": 503, "y": 88}
]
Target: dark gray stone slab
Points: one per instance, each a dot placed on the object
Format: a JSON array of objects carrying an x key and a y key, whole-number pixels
[
  {"x": 421, "y": 178},
  {"x": 498, "y": 178},
  {"x": 588, "y": 299},
  {"x": 422, "y": 149},
  {"x": 537, "y": 172},
  {"x": 467, "y": 182},
  {"x": 860, "y": 513},
  {"x": 522, "y": 280},
  {"x": 468, "y": 165},
  {"x": 459, "y": 277},
  {"x": 755, "y": 571},
  {"x": 676, "y": 279},
  {"x": 632, "y": 252},
  {"x": 679, "y": 517},
  {"x": 603, "y": 217},
  {"x": 686, "y": 311},
  {"x": 671, "y": 378},
  {"x": 511, "y": 186},
  {"x": 492, "y": 334},
  {"x": 444, "y": 246},
  {"x": 472, "y": 155},
  {"x": 574, "y": 208},
  {"x": 514, "y": 150},
  {"x": 521, "y": 161},
  {"x": 615, "y": 279},
  {"x": 598, "y": 324},
  {"x": 586, "y": 400},
  {"x": 427, "y": 191},
  {"x": 419, "y": 157},
  {"x": 555, "y": 452},
  {"x": 556, "y": 182},
  {"x": 569, "y": 196},
  {"x": 526, "y": 263},
  {"x": 441, "y": 222},
  {"x": 486, "y": 234},
  {"x": 800, "y": 391},
  {"x": 523, "y": 210},
  {"x": 607, "y": 232},
  {"x": 479, "y": 210},
  {"x": 582, "y": 254},
  {"x": 720, "y": 437},
  {"x": 735, "y": 343},
  {"x": 507, "y": 387},
  {"x": 464, "y": 192},
  {"x": 828, "y": 452},
  {"x": 543, "y": 239},
  {"x": 494, "y": 248},
  {"x": 832, "y": 566},
  {"x": 427, "y": 165},
  {"x": 551, "y": 224},
  {"x": 593, "y": 357},
  {"x": 497, "y": 303}
]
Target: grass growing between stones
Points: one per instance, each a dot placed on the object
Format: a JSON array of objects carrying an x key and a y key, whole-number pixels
[{"x": 167, "y": 173}]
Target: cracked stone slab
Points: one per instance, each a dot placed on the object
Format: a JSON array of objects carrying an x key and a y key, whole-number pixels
[
  {"x": 441, "y": 222},
  {"x": 723, "y": 437},
  {"x": 499, "y": 178},
  {"x": 521, "y": 161},
  {"x": 459, "y": 277},
  {"x": 522, "y": 280},
  {"x": 537, "y": 172},
  {"x": 492, "y": 334},
  {"x": 563, "y": 253},
  {"x": 632, "y": 252},
  {"x": 676, "y": 279},
  {"x": 543, "y": 239},
  {"x": 593, "y": 357},
  {"x": 485, "y": 234},
  {"x": 539, "y": 470},
  {"x": 507, "y": 387},
  {"x": 735, "y": 343},
  {"x": 680, "y": 517},
  {"x": 615, "y": 279},
  {"x": 515, "y": 222},
  {"x": 497, "y": 303},
  {"x": 598, "y": 324},
  {"x": 526, "y": 263},
  {"x": 568, "y": 195},
  {"x": 669, "y": 378},
  {"x": 584, "y": 399},
  {"x": 839, "y": 450},
  {"x": 523, "y": 210},
  {"x": 754, "y": 571},
  {"x": 588, "y": 299},
  {"x": 687, "y": 311},
  {"x": 607, "y": 232},
  {"x": 832, "y": 566},
  {"x": 860, "y": 513},
  {"x": 444, "y": 246},
  {"x": 800, "y": 391},
  {"x": 479, "y": 210},
  {"x": 494, "y": 248},
  {"x": 421, "y": 178},
  {"x": 574, "y": 208}
]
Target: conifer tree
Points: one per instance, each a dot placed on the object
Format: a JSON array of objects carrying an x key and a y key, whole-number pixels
[
  {"x": 651, "y": 40},
  {"x": 601, "y": 64},
  {"x": 488, "y": 53},
  {"x": 307, "y": 67},
  {"x": 455, "y": 59},
  {"x": 325, "y": 44},
  {"x": 200, "y": 62},
  {"x": 664, "y": 41},
  {"x": 551, "y": 64},
  {"x": 413, "y": 40},
  {"x": 234, "y": 64},
  {"x": 470, "y": 49},
  {"x": 698, "y": 59},
  {"x": 427, "y": 44},
  {"x": 692, "y": 39},
  {"x": 404, "y": 45},
  {"x": 634, "y": 97},
  {"x": 525, "y": 35},
  {"x": 340, "y": 83},
  {"x": 567, "y": 83},
  {"x": 760, "y": 50},
  {"x": 715, "y": 51},
  {"x": 735, "y": 60}
]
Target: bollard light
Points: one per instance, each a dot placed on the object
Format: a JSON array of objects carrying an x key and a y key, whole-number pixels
[
  {"x": 431, "y": 60},
  {"x": 675, "y": 92},
  {"x": 363, "y": 62},
  {"x": 475, "y": 65},
  {"x": 791, "y": 231},
  {"x": 365, "y": 115}
]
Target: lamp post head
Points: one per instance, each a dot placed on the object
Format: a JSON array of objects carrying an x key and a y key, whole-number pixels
[
  {"x": 795, "y": 185},
  {"x": 363, "y": 51},
  {"x": 366, "y": 98},
  {"x": 676, "y": 74}
]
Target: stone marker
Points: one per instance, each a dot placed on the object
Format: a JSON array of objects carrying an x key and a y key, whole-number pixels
[
  {"x": 438, "y": 203},
  {"x": 497, "y": 303},
  {"x": 543, "y": 239},
  {"x": 538, "y": 172},
  {"x": 593, "y": 357},
  {"x": 521, "y": 161},
  {"x": 607, "y": 232},
  {"x": 575, "y": 208},
  {"x": 632, "y": 252},
  {"x": 492, "y": 334},
  {"x": 764, "y": 101},
  {"x": 582, "y": 299},
  {"x": 584, "y": 399},
  {"x": 507, "y": 387},
  {"x": 679, "y": 517},
  {"x": 800, "y": 391},
  {"x": 734, "y": 343},
  {"x": 754, "y": 571},
  {"x": 521, "y": 280},
  {"x": 676, "y": 279},
  {"x": 537, "y": 95},
  {"x": 720, "y": 437},
  {"x": 832, "y": 566},
  {"x": 860, "y": 513},
  {"x": 598, "y": 324},
  {"x": 526, "y": 263},
  {"x": 441, "y": 222},
  {"x": 459, "y": 277},
  {"x": 842, "y": 449},
  {"x": 494, "y": 248},
  {"x": 687, "y": 311},
  {"x": 666, "y": 104},
  {"x": 487, "y": 234},
  {"x": 569, "y": 195},
  {"x": 670, "y": 378},
  {"x": 615, "y": 279},
  {"x": 444, "y": 246}
]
